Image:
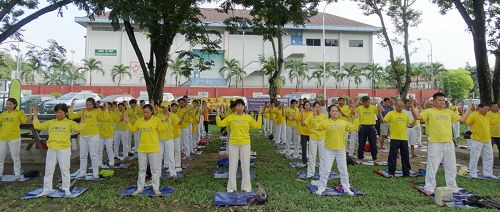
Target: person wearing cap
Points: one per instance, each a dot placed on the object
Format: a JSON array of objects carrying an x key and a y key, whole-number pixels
[
  {"x": 239, "y": 144},
  {"x": 366, "y": 115}
]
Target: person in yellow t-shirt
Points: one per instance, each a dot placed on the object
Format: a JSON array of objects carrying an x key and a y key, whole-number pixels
[
  {"x": 106, "y": 135},
  {"x": 10, "y": 136},
  {"x": 480, "y": 144},
  {"x": 366, "y": 115},
  {"x": 336, "y": 130},
  {"x": 239, "y": 144},
  {"x": 89, "y": 135},
  {"x": 149, "y": 148},
  {"x": 439, "y": 121},
  {"x": 303, "y": 130},
  {"x": 195, "y": 121},
  {"x": 167, "y": 143},
  {"x": 316, "y": 138},
  {"x": 183, "y": 113},
  {"x": 495, "y": 129},
  {"x": 177, "y": 137},
  {"x": 347, "y": 114},
  {"x": 134, "y": 113},
  {"x": 413, "y": 131},
  {"x": 121, "y": 134},
  {"x": 398, "y": 122},
  {"x": 59, "y": 146},
  {"x": 280, "y": 120},
  {"x": 266, "y": 121},
  {"x": 292, "y": 138},
  {"x": 456, "y": 126}
]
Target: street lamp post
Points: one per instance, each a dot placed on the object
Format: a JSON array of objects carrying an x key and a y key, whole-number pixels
[
  {"x": 430, "y": 43},
  {"x": 324, "y": 53}
]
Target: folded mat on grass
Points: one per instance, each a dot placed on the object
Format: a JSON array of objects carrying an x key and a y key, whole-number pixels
[
  {"x": 385, "y": 173},
  {"x": 225, "y": 163},
  {"x": 458, "y": 198},
  {"x": 297, "y": 164},
  {"x": 333, "y": 192},
  {"x": 118, "y": 166},
  {"x": 372, "y": 163},
  {"x": 220, "y": 174},
  {"x": 148, "y": 191},
  {"x": 88, "y": 176},
  {"x": 234, "y": 198},
  {"x": 12, "y": 178},
  {"x": 167, "y": 175},
  {"x": 58, "y": 193},
  {"x": 303, "y": 175},
  {"x": 479, "y": 176}
]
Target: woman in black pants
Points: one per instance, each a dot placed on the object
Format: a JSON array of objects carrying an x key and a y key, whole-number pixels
[{"x": 302, "y": 130}]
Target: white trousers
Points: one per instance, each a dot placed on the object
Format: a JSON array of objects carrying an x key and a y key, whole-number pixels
[
  {"x": 137, "y": 139},
  {"x": 412, "y": 136},
  {"x": 291, "y": 136},
  {"x": 485, "y": 150},
  {"x": 177, "y": 152},
  {"x": 154, "y": 160},
  {"x": 328, "y": 157},
  {"x": 195, "y": 138},
  {"x": 167, "y": 151},
  {"x": 456, "y": 129},
  {"x": 315, "y": 146},
  {"x": 264, "y": 125},
  {"x": 437, "y": 153},
  {"x": 186, "y": 143},
  {"x": 123, "y": 137},
  {"x": 190, "y": 138},
  {"x": 63, "y": 157},
  {"x": 241, "y": 153},
  {"x": 89, "y": 145},
  {"x": 352, "y": 139},
  {"x": 280, "y": 133},
  {"x": 418, "y": 134},
  {"x": 270, "y": 124},
  {"x": 108, "y": 143},
  {"x": 13, "y": 147}
]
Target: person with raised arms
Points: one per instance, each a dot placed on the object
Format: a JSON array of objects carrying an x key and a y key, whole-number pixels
[
  {"x": 304, "y": 130},
  {"x": 10, "y": 135},
  {"x": 106, "y": 134},
  {"x": 292, "y": 138},
  {"x": 317, "y": 138}
]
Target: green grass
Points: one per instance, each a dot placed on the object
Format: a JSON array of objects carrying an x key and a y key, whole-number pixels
[{"x": 194, "y": 192}]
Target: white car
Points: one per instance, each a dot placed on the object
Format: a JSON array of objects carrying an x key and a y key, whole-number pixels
[
  {"x": 166, "y": 97},
  {"x": 78, "y": 98}
]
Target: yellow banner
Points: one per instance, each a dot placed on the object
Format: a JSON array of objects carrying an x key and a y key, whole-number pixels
[
  {"x": 213, "y": 103},
  {"x": 15, "y": 91}
]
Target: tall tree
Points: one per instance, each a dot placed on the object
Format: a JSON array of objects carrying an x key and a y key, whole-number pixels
[
  {"x": 475, "y": 17},
  {"x": 372, "y": 71},
  {"x": 176, "y": 67},
  {"x": 435, "y": 68},
  {"x": 119, "y": 71},
  {"x": 354, "y": 72},
  {"x": 297, "y": 70},
  {"x": 269, "y": 18},
  {"x": 74, "y": 75},
  {"x": 238, "y": 74},
  {"x": 318, "y": 76},
  {"x": 391, "y": 73},
  {"x": 456, "y": 83},
  {"x": 90, "y": 65},
  {"x": 339, "y": 76},
  {"x": 267, "y": 66},
  {"x": 162, "y": 21},
  {"x": 229, "y": 69},
  {"x": 418, "y": 71}
]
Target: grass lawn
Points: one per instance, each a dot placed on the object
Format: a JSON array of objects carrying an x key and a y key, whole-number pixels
[{"x": 194, "y": 192}]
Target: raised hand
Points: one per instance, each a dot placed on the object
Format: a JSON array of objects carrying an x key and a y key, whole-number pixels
[{"x": 125, "y": 118}]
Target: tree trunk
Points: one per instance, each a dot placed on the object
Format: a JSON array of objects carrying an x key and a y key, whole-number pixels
[
  {"x": 406, "y": 87},
  {"x": 273, "y": 81},
  {"x": 119, "y": 80},
  {"x": 496, "y": 77},
  {"x": 348, "y": 84},
  {"x": 90, "y": 77}
]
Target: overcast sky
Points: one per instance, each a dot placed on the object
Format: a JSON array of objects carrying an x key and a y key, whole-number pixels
[{"x": 452, "y": 44}]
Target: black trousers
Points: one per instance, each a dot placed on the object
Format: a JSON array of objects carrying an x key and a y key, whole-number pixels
[
  {"x": 205, "y": 124},
  {"x": 497, "y": 142},
  {"x": 401, "y": 146},
  {"x": 304, "y": 141},
  {"x": 367, "y": 132}
]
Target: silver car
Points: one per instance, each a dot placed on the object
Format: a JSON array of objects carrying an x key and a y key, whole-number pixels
[{"x": 67, "y": 99}]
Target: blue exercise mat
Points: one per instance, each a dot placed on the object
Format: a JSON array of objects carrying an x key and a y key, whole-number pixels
[
  {"x": 458, "y": 198},
  {"x": 231, "y": 199},
  {"x": 297, "y": 164},
  {"x": 167, "y": 175},
  {"x": 58, "y": 193},
  {"x": 333, "y": 192},
  {"x": 385, "y": 173},
  {"x": 225, "y": 163},
  {"x": 148, "y": 191},
  {"x": 303, "y": 175},
  {"x": 220, "y": 174},
  {"x": 12, "y": 178},
  {"x": 479, "y": 176},
  {"x": 88, "y": 177}
]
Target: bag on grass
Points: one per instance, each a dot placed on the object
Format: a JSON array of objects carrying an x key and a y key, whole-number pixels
[
  {"x": 32, "y": 174},
  {"x": 367, "y": 147},
  {"x": 105, "y": 173},
  {"x": 350, "y": 160},
  {"x": 467, "y": 134},
  {"x": 482, "y": 202},
  {"x": 261, "y": 196}
]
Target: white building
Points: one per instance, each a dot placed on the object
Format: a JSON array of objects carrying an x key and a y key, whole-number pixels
[{"x": 347, "y": 42}]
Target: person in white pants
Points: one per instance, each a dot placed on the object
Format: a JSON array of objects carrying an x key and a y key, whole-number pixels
[
  {"x": 480, "y": 142},
  {"x": 239, "y": 144},
  {"x": 438, "y": 122},
  {"x": 411, "y": 131},
  {"x": 279, "y": 114},
  {"x": 352, "y": 140},
  {"x": 265, "y": 120},
  {"x": 335, "y": 146},
  {"x": 317, "y": 138},
  {"x": 177, "y": 138},
  {"x": 89, "y": 135},
  {"x": 59, "y": 146},
  {"x": 149, "y": 148},
  {"x": 183, "y": 113},
  {"x": 10, "y": 136},
  {"x": 106, "y": 136},
  {"x": 291, "y": 132},
  {"x": 347, "y": 115},
  {"x": 121, "y": 134},
  {"x": 167, "y": 143}
]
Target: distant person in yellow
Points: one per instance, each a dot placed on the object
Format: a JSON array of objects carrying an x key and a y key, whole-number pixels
[
  {"x": 106, "y": 135},
  {"x": 456, "y": 126},
  {"x": 480, "y": 144},
  {"x": 304, "y": 130},
  {"x": 177, "y": 138},
  {"x": 336, "y": 130},
  {"x": 183, "y": 113},
  {"x": 239, "y": 144},
  {"x": 266, "y": 121},
  {"x": 495, "y": 128},
  {"x": 366, "y": 115},
  {"x": 439, "y": 121},
  {"x": 167, "y": 143},
  {"x": 316, "y": 137},
  {"x": 347, "y": 114},
  {"x": 149, "y": 148},
  {"x": 280, "y": 119},
  {"x": 292, "y": 138},
  {"x": 121, "y": 130},
  {"x": 10, "y": 136},
  {"x": 134, "y": 113},
  {"x": 59, "y": 143}
]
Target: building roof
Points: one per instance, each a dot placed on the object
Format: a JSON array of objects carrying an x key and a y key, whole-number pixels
[{"x": 215, "y": 18}]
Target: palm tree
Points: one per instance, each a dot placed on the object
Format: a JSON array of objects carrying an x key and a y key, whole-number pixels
[
  {"x": 281, "y": 81},
  {"x": 61, "y": 67},
  {"x": 176, "y": 66},
  {"x": 120, "y": 71},
  {"x": 329, "y": 69},
  {"x": 238, "y": 74},
  {"x": 373, "y": 72},
  {"x": 318, "y": 76},
  {"x": 435, "y": 69},
  {"x": 339, "y": 76},
  {"x": 90, "y": 65},
  {"x": 53, "y": 78},
  {"x": 354, "y": 72},
  {"x": 296, "y": 70},
  {"x": 418, "y": 71},
  {"x": 74, "y": 75},
  {"x": 28, "y": 74},
  {"x": 231, "y": 67}
]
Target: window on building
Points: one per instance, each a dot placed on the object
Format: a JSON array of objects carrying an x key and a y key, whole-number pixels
[
  {"x": 296, "y": 39},
  {"x": 313, "y": 42},
  {"x": 331, "y": 42},
  {"x": 355, "y": 43},
  {"x": 95, "y": 28}
]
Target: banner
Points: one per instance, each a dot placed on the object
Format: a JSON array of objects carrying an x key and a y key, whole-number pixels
[
  {"x": 213, "y": 103},
  {"x": 15, "y": 91}
]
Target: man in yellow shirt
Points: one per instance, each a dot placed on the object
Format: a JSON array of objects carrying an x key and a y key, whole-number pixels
[
  {"x": 495, "y": 129},
  {"x": 292, "y": 138},
  {"x": 265, "y": 120},
  {"x": 366, "y": 115},
  {"x": 177, "y": 137},
  {"x": 439, "y": 121},
  {"x": 183, "y": 114},
  {"x": 134, "y": 113},
  {"x": 456, "y": 126},
  {"x": 346, "y": 114},
  {"x": 480, "y": 144}
]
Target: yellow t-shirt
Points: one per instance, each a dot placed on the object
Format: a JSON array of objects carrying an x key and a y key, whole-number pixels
[
  {"x": 59, "y": 132},
  {"x": 397, "y": 124},
  {"x": 240, "y": 127},
  {"x": 453, "y": 108},
  {"x": 366, "y": 116},
  {"x": 495, "y": 128},
  {"x": 291, "y": 114},
  {"x": 149, "y": 141},
  {"x": 10, "y": 122},
  {"x": 438, "y": 123},
  {"x": 336, "y": 132},
  {"x": 346, "y": 113},
  {"x": 480, "y": 126},
  {"x": 168, "y": 134},
  {"x": 116, "y": 116},
  {"x": 278, "y": 116},
  {"x": 303, "y": 130},
  {"x": 176, "y": 129},
  {"x": 314, "y": 123},
  {"x": 92, "y": 119},
  {"x": 185, "y": 121},
  {"x": 265, "y": 111},
  {"x": 106, "y": 125}
]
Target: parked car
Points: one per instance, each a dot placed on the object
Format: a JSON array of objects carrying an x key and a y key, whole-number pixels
[
  {"x": 297, "y": 96},
  {"x": 67, "y": 99},
  {"x": 38, "y": 100},
  {"x": 166, "y": 97},
  {"x": 117, "y": 98}
]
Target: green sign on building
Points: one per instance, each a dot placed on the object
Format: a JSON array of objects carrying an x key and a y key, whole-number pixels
[{"x": 105, "y": 52}]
